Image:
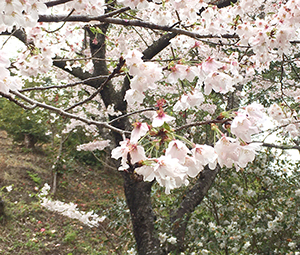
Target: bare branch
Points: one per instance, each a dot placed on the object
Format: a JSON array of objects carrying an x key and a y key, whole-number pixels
[
  {"x": 17, "y": 102},
  {"x": 193, "y": 197},
  {"x": 77, "y": 72},
  {"x": 18, "y": 33},
  {"x": 57, "y": 29},
  {"x": 56, "y": 2},
  {"x": 68, "y": 115},
  {"x": 134, "y": 112},
  {"x": 66, "y": 85},
  {"x": 283, "y": 147},
  {"x": 200, "y": 123}
]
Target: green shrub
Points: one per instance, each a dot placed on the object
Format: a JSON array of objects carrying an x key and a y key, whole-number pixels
[{"x": 20, "y": 123}]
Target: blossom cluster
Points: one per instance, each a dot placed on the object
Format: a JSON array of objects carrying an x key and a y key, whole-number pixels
[
  {"x": 20, "y": 13},
  {"x": 7, "y": 82},
  {"x": 287, "y": 118},
  {"x": 146, "y": 74},
  {"x": 247, "y": 123},
  {"x": 235, "y": 211},
  {"x": 173, "y": 167}
]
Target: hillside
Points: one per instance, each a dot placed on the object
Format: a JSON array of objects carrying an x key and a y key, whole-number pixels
[{"x": 28, "y": 228}]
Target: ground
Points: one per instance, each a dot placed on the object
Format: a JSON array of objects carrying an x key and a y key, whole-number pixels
[{"x": 28, "y": 228}]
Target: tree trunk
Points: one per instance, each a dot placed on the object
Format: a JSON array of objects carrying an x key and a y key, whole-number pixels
[
  {"x": 139, "y": 202},
  {"x": 191, "y": 200}
]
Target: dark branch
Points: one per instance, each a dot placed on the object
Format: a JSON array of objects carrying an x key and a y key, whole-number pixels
[
  {"x": 17, "y": 102},
  {"x": 77, "y": 72},
  {"x": 200, "y": 123},
  {"x": 283, "y": 147},
  {"x": 158, "y": 46},
  {"x": 136, "y": 23},
  {"x": 57, "y": 2},
  {"x": 18, "y": 33},
  {"x": 192, "y": 199},
  {"x": 66, "y": 114}
]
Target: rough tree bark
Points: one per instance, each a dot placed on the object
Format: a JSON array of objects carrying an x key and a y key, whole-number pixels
[{"x": 191, "y": 200}]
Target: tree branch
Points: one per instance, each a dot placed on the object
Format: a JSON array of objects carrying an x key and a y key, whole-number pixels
[
  {"x": 18, "y": 33},
  {"x": 68, "y": 115},
  {"x": 136, "y": 23},
  {"x": 86, "y": 81},
  {"x": 57, "y": 2},
  {"x": 200, "y": 123},
  {"x": 283, "y": 147},
  {"x": 77, "y": 72},
  {"x": 193, "y": 198},
  {"x": 115, "y": 71},
  {"x": 17, "y": 102}
]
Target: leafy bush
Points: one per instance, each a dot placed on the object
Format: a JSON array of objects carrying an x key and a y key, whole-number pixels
[{"x": 20, "y": 123}]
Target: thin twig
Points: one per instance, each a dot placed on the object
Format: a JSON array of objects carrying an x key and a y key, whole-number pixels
[
  {"x": 117, "y": 70},
  {"x": 283, "y": 147},
  {"x": 200, "y": 123},
  {"x": 55, "y": 30},
  {"x": 86, "y": 58},
  {"x": 66, "y": 85},
  {"x": 102, "y": 162},
  {"x": 132, "y": 113}
]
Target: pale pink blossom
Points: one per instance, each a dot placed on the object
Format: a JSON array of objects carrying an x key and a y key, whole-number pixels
[
  {"x": 177, "y": 72},
  {"x": 133, "y": 57},
  {"x": 147, "y": 171},
  {"x": 247, "y": 153},
  {"x": 211, "y": 65},
  {"x": 276, "y": 112},
  {"x": 136, "y": 153},
  {"x": 194, "y": 98},
  {"x": 205, "y": 155},
  {"x": 9, "y": 83},
  {"x": 177, "y": 149},
  {"x": 139, "y": 4},
  {"x": 159, "y": 118},
  {"x": 170, "y": 173},
  {"x": 140, "y": 129},
  {"x": 227, "y": 149},
  {"x": 193, "y": 167},
  {"x": 167, "y": 171},
  {"x": 132, "y": 96},
  {"x": 255, "y": 111},
  {"x": 243, "y": 128},
  {"x": 219, "y": 82},
  {"x": 4, "y": 60},
  {"x": 293, "y": 129}
]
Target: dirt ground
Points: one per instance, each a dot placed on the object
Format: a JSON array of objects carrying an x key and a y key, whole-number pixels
[{"x": 27, "y": 228}]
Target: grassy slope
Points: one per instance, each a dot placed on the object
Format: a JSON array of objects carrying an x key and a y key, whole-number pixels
[{"x": 27, "y": 228}]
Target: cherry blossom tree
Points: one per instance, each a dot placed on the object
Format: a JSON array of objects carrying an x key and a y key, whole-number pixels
[{"x": 177, "y": 89}]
